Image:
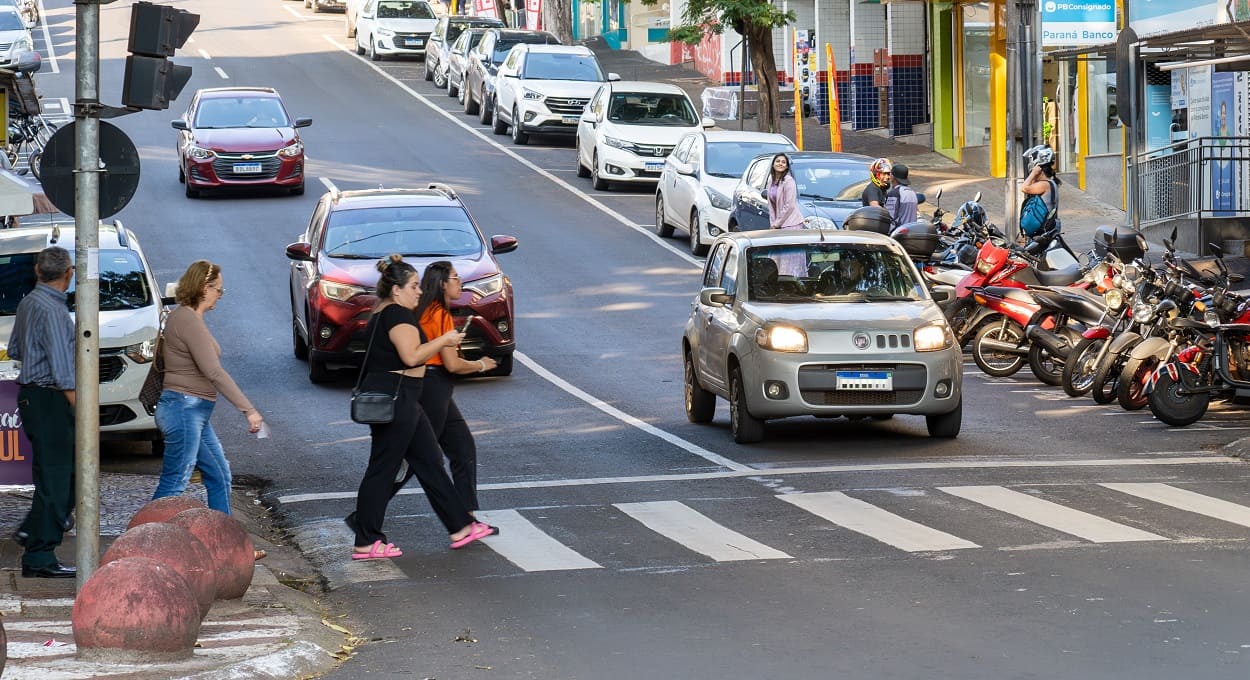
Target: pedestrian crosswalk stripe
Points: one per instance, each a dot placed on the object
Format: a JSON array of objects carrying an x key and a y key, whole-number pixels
[
  {"x": 875, "y": 523},
  {"x": 527, "y": 546},
  {"x": 1186, "y": 500},
  {"x": 1058, "y": 517},
  {"x": 685, "y": 525}
]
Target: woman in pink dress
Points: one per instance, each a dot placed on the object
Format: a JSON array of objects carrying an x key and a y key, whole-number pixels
[{"x": 783, "y": 213}]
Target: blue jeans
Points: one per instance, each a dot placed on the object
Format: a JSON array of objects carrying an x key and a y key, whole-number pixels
[{"x": 191, "y": 442}]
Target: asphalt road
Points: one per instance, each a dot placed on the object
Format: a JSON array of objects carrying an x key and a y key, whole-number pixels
[{"x": 1052, "y": 539}]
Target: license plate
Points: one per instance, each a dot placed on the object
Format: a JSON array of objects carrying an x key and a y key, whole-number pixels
[
  {"x": 414, "y": 42},
  {"x": 569, "y": 120},
  {"x": 246, "y": 168},
  {"x": 873, "y": 381},
  {"x": 654, "y": 167}
]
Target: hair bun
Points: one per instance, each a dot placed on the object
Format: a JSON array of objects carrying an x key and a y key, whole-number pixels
[
  {"x": 382, "y": 265},
  {"x": 386, "y": 262}
]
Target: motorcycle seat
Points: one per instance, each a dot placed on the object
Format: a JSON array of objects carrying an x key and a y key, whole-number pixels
[
  {"x": 1235, "y": 327},
  {"x": 1058, "y": 277},
  {"x": 1011, "y": 293}
]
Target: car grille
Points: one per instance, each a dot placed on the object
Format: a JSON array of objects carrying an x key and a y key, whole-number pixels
[
  {"x": 654, "y": 151},
  {"x": 646, "y": 174},
  {"x": 818, "y": 382},
  {"x": 401, "y": 40},
  {"x": 892, "y": 341},
  {"x": 115, "y": 414},
  {"x": 862, "y": 397},
  {"x": 223, "y": 165},
  {"x": 111, "y": 368},
  {"x": 568, "y": 107}
]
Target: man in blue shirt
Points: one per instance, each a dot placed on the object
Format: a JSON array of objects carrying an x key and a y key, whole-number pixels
[{"x": 43, "y": 340}]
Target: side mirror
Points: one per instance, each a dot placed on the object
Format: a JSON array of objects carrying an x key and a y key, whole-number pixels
[
  {"x": 920, "y": 197},
  {"x": 613, "y": 77},
  {"x": 303, "y": 122},
  {"x": 1219, "y": 252},
  {"x": 178, "y": 124},
  {"x": 1167, "y": 243},
  {"x": 938, "y": 196},
  {"x": 502, "y": 244},
  {"x": 941, "y": 294},
  {"x": 1236, "y": 278},
  {"x": 300, "y": 252},
  {"x": 28, "y": 62},
  {"x": 708, "y": 123},
  {"x": 977, "y": 198},
  {"x": 589, "y": 119},
  {"x": 171, "y": 291},
  {"x": 682, "y": 168},
  {"x": 715, "y": 297}
]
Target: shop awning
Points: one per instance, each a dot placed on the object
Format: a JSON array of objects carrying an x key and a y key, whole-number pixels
[
  {"x": 1198, "y": 44},
  {"x": 20, "y": 196}
]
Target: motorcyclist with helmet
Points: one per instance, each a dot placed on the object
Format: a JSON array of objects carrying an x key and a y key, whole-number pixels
[
  {"x": 874, "y": 193},
  {"x": 1042, "y": 180}
]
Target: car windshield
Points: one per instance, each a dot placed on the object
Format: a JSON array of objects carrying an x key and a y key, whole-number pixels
[
  {"x": 830, "y": 180},
  {"x": 830, "y": 272},
  {"x": 399, "y": 9},
  {"x": 730, "y": 159},
  {"x": 413, "y": 231},
  {"x": 541, "y": 66},
  {"x": 123, "y": 283},
  {"x": 10, "y": 21},
  {"x": 241, "y": 112},
  {"x": 503, "y": 47},
  {"x": 455, "y": 28},
  {"x": 633, "y": 108}
]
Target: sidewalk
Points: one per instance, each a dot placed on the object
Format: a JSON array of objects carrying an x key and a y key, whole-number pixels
[{"x": 273, "y": 631}]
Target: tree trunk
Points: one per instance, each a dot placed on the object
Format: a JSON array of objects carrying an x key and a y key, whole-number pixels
[
  {"x": 765, "y": 67},
  {"x": 558, "y": 19},
  {"x": 501, "y": 11}
]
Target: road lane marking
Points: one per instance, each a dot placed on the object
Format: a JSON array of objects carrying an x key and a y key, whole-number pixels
[
  {"x": 1183, "y": 499},
  {"x": 1058, "y": 517},
  {"x": 204, "y": 53},
  {"x": 295, "y": 14},
  {"x": 47, "y": 37},
  {"x": 527, "y": 546},
  {"x": 695, "y": 531},
  {"x": 628, "y": 419},
  {"x": 805, "y": 470},
  {"x": 221, "y": 73},
  {"x": 875, "y": 523},
  {"x": 695, "y": 262}
]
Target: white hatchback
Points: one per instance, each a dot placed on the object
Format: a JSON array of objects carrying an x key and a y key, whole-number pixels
[
  {"x": 130, "y": 316},
  {"x": 394, "y": 27},
  {"x": 629, "y": 128}
]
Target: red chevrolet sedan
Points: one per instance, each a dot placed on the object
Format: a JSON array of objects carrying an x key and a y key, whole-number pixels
[
  {"x": 239, "y": 136},
  {"x": 333, "y": 272}
]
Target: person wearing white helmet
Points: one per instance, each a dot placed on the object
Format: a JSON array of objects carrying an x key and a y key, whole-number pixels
[{"x": 1042, "y": 180}]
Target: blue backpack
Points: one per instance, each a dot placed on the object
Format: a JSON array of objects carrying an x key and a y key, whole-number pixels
[{"x": 1034, "y": 213}]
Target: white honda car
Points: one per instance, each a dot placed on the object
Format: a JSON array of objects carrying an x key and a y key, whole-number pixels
[
  {"x": 629, "y": 128},
  {"x": 696, "y": 188},
  {"x": 394, "y": 27},
  {"x": 543, "y": 89}
]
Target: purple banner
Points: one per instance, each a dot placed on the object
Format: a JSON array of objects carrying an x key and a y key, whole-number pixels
[{"x": 15, "y": 450}]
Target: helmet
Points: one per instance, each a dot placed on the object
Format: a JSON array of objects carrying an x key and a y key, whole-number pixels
[
  {"x": 1041, "y": 154},
  {"x": 970, "y": 211},
  {"x": 880, "y": 171}
]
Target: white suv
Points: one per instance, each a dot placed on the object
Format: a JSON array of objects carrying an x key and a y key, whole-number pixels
[
  {"x": 543, "y": 89},
  {"x": 130, "y": 316}
]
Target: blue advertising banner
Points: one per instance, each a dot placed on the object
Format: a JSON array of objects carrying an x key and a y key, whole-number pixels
[
  {"x": 1067, "y": 23},
  {"x": 1152, "y": 17},
  {"x": 1223, "y": 170},
  {"x": 1158, "y": 116}
]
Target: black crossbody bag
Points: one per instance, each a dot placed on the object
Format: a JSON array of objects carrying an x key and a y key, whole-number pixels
[{"x": 371, "y": 407}]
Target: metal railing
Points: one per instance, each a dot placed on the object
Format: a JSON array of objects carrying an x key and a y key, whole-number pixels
[{"x": 1195, "y": 179}]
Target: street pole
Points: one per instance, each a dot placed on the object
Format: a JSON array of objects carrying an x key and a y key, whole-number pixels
[
  {"x": 1024, "y": 99},
  {"x": 87, "y": 285}
]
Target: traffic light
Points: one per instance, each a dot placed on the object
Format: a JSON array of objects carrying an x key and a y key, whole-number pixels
[{"x": 152, "y": 81}]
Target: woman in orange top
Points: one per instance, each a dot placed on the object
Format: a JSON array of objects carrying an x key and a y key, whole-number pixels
[{"x": 440, "y": 286}]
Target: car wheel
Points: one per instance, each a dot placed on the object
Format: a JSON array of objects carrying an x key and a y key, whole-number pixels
[
  {"x": 946, "y": 425},
  {"x": 192, "y": 193},
  {"x": 182, "y": 176},
  {"x": 373, "y": 50},
  {"x": 440, "y": 77},
  {"x": 697, "y": 248},
  {"x": 700, "y": 404},
  {"x": 519, "y": 136},
  {"x": 298, "y": 344},
  {"x": 599, "y": 183},
  {"x": 485, "y": 109},
  {"x": 359, "y": 48},
  {"x": 498, "y": 126},
  {"x": 351, "y": 30},
  {"x": 577, "y": 158},
  {"x": 503, "y": 367},
  {"x": 318, "y": 372},
  {"x": 663, "y": 228},
  {"x": 452, "y": 90},
  {"x": 746, "y": 428},
  {"x": 470, "y": 106},
  {"x": 298, "y": 189},
  {"x": 426, "y": 71}
]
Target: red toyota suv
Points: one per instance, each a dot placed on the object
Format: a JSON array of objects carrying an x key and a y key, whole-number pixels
[
  {"x": 333, "y": 272},
  {"x": 239, "y": 136}
]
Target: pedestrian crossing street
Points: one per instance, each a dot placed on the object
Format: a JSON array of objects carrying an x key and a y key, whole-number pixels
[{"x": 830, "y": 523}]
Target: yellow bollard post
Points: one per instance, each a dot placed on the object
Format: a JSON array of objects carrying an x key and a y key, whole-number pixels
[
  {"x": 835, "y": 110},
  {"x": 798, "y": 91}
]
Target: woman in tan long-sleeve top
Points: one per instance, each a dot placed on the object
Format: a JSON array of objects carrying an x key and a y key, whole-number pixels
[{"x": 194, "y": 377}]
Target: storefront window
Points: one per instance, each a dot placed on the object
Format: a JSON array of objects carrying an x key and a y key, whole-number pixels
[
  {"x": 1105, "y": 134},
  {"x": 978, "y": 28},
  {"x": 589, "y": 20}
]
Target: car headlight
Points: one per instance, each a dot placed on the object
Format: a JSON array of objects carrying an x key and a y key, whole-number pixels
[
  {"x": 1114, "y": 298},
  {"x": 487, "y": 286},
  {"x": 780, "y": 338},
  {"x": 618, "y": 143},
  {"x": 718, "y": 199},
  {"x": 340, "y": 291},
  {"x": 932, "y": 337},
  {"x": 531, "y": 95},
  {"x": 815, "y": 222},
  {"x": 386, "y": 32},
  {"x": 141, "y": 353},
  {"x": 291, "y": 150},
  {"x": 200, "y": 153},
  {"x": 22, "y": 45}
]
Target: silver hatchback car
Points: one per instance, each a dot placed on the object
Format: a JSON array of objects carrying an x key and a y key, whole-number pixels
[{"x": 820, "y": 323}]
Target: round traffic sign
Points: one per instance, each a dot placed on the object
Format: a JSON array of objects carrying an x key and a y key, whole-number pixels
[{"x": 119, "y": 165}]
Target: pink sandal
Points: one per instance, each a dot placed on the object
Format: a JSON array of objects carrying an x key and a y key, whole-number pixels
[
  {"x": 378, "y": 552},
  {"x": 477, "y": 530}
]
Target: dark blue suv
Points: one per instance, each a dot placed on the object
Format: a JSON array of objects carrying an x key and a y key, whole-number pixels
[{"x": 829, "y": 188}]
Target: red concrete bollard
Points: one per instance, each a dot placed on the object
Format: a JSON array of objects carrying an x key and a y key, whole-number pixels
[
  {"x": 161, "y": 509},
  {"x": 230, "y": 545},
  {"x": 135, "y": 609},
  {"x": 176, "y": 547}
]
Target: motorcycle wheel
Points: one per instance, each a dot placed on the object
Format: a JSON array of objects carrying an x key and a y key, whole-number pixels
[
  {"x": 1044, "y": 366},
  {"x": 998, "y": 364},
  {"x": 1107, "y": 380},
  {"x": 1173, "y": 408},
  {"x": 958, "y": 314},
  {"x": 1131, "y": 392},
  {"x": 1079, "y": 370}
]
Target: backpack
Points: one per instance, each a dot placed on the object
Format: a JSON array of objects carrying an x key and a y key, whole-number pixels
[{"x": 1034, "y": 213}]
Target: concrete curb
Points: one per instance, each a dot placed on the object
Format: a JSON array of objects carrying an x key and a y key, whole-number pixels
[{"x": 1239, "y": 448}]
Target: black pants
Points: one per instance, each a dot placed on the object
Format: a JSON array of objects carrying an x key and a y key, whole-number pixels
[
  {"x": 48, "y": 421},
  {"x": 453, "y": 435},
  {"x": 409, "y": 438}
]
